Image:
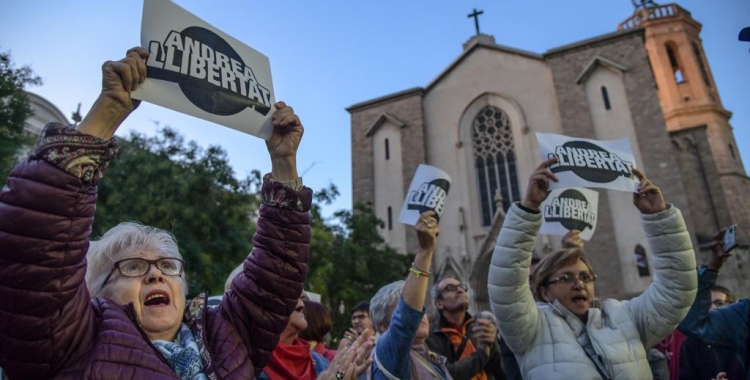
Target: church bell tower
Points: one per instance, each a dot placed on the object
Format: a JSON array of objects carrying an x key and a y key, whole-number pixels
[{"x": 694, "y": 115}]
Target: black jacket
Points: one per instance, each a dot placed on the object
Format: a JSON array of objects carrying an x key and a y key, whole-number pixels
[{"x": 465, "y": 369}]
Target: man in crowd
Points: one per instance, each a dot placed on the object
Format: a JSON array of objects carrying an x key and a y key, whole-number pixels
[
  {"x": 716, "y": 327},
  {"x": 360, "y": 321},
  {"x": 469, "y": 344}
]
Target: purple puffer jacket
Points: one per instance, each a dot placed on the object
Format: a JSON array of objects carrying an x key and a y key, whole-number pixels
[{"x": 51, "y": 328}]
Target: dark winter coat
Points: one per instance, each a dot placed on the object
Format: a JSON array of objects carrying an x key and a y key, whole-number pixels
[{"x": 52, "y": 328}]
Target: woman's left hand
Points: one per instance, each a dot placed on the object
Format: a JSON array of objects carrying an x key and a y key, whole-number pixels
[
  {"x": 284, "y": 142},
  {"x": 648, "y": 198}
]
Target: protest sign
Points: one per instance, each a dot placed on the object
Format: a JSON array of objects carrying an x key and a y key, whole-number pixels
[
  {"x": 427, "y": 191},
  {"x": 570, "y": 209},
  {"x": 198, "y": 70},
  {"x": 589, "y": 163}
]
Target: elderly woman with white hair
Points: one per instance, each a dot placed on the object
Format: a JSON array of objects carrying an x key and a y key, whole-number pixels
[
  {"x": 125, "y": 314},
  {"x": 397, "y": 312}
]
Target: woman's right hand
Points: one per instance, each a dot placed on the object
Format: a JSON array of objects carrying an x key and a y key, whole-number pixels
[
  {"x": 539, "y": 187},
  {"x": 119, "y": 79}
]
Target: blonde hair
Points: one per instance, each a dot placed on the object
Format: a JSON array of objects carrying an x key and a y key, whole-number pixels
[
  {"x": 553, "y": 262},
  {"x": 120, "y": 240}
]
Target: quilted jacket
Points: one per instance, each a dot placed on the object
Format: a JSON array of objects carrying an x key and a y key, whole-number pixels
[
  {"x": 53, "y": 329},
  {"x": 545, "y": 337}
]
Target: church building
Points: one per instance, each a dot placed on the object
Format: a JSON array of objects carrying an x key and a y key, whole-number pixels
[{"x": 649, "y": 81}]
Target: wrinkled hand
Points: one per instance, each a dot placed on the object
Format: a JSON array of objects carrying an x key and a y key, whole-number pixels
[
  {"x": 287, "y": 132},
  {"x": 352, "y": 359},
  {"x": 485, "y": 334},
  {"x": 648, "y": 198},
  {"x": 539, "y": 186},
  {"x": 427, "y": 231},
  {"x": 284, "y": 141},
  {"x": 119, "y": 79},
  {"x": 572, "y": 239},
  {"x": 717, "y": 257}
]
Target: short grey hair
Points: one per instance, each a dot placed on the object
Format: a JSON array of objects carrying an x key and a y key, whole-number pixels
[
  {"x": 384, "y": 303},
  {"x": 232, "y": 275},
  {"x": 121, "y": 240},
  {"x": 435, "y": 289}
]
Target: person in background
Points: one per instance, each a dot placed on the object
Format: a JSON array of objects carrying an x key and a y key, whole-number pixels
[
  {"x": 117, "y": 307},
  {"x": 573, "y": 335},
  {"x": 702, "y": 361},
  {"x": 398, "y": 313},
  {"x": 360, "y": 321},
  {"x": 469, "y": 344},
  {"x": 318, "y": 331},
  {"x": 726, "y": 327}
]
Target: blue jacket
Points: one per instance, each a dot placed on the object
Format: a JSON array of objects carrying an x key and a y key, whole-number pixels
[{"x": 726, "y": 327}]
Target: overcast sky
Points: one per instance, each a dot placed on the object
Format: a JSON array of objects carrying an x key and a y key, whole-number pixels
[{"x": 328, "y": 55}]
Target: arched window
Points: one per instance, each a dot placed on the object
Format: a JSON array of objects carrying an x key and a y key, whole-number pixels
[
  {"x": 605, "y": 97},
  {"x": 495, "y": 160},
  {"x": 675, "y": 65},
  {"x": 387, "y": 150},
  {"x": 390, "y": 217},
  {"x": 701, "y": 64}
]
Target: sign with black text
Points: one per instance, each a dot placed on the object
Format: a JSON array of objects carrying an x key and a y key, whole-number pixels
[
  {"x": 427, "y": 192},
  {"x": 589, "y": 163},
  {"x": 570, "y": 209},
  {"x": 198, "y": 70}
]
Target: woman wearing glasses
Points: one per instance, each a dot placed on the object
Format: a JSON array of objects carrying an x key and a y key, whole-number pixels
[
  {"x": 116, "y": 308},
  {"x": 570, "y": 334}
]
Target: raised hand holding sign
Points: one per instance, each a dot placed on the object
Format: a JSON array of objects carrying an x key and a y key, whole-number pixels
[{"x": 201, "y": 71}]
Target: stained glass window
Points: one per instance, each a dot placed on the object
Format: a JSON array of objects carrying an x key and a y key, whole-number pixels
[{"x": 495, "y": 160}]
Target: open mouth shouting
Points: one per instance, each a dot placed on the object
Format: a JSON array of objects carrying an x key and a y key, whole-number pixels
[
  {"x": 156, "y": 298},
  {"x": 580, "y": 300}
]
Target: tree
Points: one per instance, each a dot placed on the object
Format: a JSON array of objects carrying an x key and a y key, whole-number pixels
[
  {"x": 349, "y": 260},
  {"x": 163, "y": 181},
  {"x": 14, "y": 110}
]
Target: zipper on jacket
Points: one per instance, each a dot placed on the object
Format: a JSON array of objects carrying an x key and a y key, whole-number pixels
[{"x": 598, "y": 349}]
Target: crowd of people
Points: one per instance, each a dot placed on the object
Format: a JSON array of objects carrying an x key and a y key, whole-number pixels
[{"x": 116, "y": 307}]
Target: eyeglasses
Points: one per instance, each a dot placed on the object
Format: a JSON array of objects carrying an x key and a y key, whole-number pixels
[
  {"x": 136, "y": 267},
  {"x": 584, "y": 278},
  {"x": 454, "y": 287}
]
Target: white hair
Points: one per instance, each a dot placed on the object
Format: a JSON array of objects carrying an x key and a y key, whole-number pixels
[
  {"x": 121, "y": 240},
  {"x": 384, "y": 303},
  {"x": 233, "y": 274}
]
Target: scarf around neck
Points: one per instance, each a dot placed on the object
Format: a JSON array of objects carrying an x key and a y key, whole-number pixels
[
  {"x": 183, "y": 355},
  {"x": 291, "y": 361}
]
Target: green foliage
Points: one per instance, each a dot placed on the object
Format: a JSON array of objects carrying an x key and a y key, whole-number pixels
[
  {"x": 14, "y": 110},
  {"x": 349, "y": 260},
  {"x": 163, "y": 181}
]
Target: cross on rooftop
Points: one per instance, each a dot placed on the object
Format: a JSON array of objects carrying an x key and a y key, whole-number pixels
[{"x": 476, "y": 14}]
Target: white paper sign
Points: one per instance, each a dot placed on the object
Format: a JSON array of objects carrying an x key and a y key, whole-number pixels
[
  {"x": 201, "y": 71},
  {"x": 427, "y": 191},
  {"x": 583, "y": 162},
  {"x": 570, "y": 209}
]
